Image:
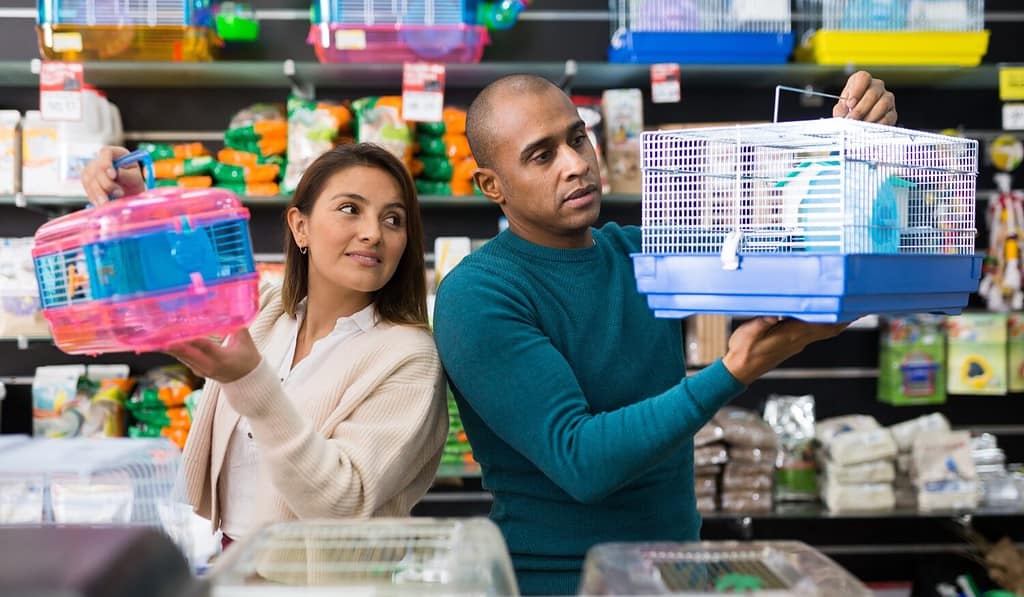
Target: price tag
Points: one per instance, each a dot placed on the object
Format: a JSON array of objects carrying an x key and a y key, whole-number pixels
[
  {"x": 422, "y": 92},
  {"x": 60, "y": 90},
  {"x": 350, "y": 39},
  {"x": 1013, "y": 117},
  {"x": 1011, "y": 83},
  {"x": 665, "y": 87},
  {"x": 760, "y": 10}
]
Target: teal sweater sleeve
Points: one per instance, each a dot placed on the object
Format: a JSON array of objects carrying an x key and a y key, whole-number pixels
[{"x": 512, "y": 375}]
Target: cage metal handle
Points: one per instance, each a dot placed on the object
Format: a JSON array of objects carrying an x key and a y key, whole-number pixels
[{"x": 780, "y": 88}]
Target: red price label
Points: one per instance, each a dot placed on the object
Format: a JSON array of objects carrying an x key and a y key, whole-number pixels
[
  {"x": 60, "y": 90},
  {"x": 422, "y": 92},
  {"x": 665, "y": 88}
]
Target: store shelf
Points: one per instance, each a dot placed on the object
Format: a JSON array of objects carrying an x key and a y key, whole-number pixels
[
  {"x": 471, "y": 201},
  {"x": 589, "y": 75},
  {"x": 819, "y": 511}
]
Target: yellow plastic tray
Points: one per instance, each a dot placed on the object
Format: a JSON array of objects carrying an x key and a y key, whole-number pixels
[
  {"x": 954, "y": 48},
  {"x": 160, "y": 43}
]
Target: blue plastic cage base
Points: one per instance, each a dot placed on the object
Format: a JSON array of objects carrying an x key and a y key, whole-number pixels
[
  {"x": 816, "y": 288},
  {"x": 701, "y": 48}
]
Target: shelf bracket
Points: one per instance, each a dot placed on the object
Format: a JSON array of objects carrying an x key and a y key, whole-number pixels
[
  {"x": 304, "y": 89},
  {"x": 745, "y": 527}
]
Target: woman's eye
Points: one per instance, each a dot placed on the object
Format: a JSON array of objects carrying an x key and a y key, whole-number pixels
[
  {"x": 348, "y": 208},
  {"x": 393, "y": 221}
]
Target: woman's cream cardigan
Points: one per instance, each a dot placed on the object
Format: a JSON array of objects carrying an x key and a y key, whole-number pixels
[{"x": 361, "y": 438}]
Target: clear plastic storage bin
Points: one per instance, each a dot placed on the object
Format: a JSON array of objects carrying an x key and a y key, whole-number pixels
[
  {"x": 109, "y": 481},
  {"x": 382, "y": 557},
  {"x": 758, "y": 569}
]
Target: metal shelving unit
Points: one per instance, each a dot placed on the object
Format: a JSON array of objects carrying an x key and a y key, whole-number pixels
[
  {"x": 587, "y": 75},
  {"x": 467, "y": 201}
]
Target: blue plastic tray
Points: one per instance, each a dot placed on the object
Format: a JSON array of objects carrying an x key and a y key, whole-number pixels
[
  {"x": 815, "y": 288},
  {"x": 703, "y": 48}
]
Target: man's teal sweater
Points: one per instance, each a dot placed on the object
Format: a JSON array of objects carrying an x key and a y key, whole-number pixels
[{"x": 575, "y": 400}]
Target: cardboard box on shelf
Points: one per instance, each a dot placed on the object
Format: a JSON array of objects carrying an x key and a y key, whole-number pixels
[
  {"x": 623, "y": 122},
  {"x": 977, "y": 353}
]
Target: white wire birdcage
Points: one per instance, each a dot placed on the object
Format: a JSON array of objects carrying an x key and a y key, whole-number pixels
[
  {"x": 824, "y": 221},
  {"x": 827, "y": 186},
  {"x": 392, "y": 12},
  {"x": 892, "y": 15},
  {"x": 109, "y": 481},
  {"x": 411, "y": 556},
  {"x": 700, "y": 31},
  {"x": 758, "y": 569}
]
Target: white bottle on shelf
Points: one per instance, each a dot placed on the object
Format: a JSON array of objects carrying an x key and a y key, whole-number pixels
[
  {"x": 40, "y": 155},
  {"x": 81, "y": 140},
  {"x": 10, "y": 152}
]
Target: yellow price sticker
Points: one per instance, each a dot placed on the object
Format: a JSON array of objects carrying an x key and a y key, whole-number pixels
[{"x": 1011, "y": 83}]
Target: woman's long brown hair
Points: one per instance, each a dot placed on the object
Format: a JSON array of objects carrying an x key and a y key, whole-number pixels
[{"x": 403, "y": 299}]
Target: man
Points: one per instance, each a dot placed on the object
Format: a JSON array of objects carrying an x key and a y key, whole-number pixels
[{"x": 573, "y": 395}]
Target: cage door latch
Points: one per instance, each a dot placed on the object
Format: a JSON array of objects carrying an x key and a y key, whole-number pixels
[{"x": 731, "y": 250}]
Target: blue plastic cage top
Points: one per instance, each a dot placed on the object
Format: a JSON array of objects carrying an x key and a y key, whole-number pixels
[
  {"x": 701, "y": 31},
  {"x": 130, "y": 267},
  {"x": 823, "y": 220},
  {"x": 393, "y": 12},
  {"x": 126, "y": 12}
]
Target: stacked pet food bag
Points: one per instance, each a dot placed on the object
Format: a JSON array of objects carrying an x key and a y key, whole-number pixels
[
  {"x": 378, "y": 120},
  {"x": 80, "y": 400},
  {"x": 251, "y": 163},
  {"x": 444, "y": 164},
  {"x": 857, "y": 458},
  {"x": 436, "y": 153},
  {"x": 313, "y": 129},
  {"x": 748, "y": 476},
  {"x": 904, "y": 434},
  {"x": 920, "y": 463},
  {"x": 98, "y": 401},
  {"x": 163, "y": 403},
  {"x": 734, "y": 462},
  {"x": 181, "y": 165},
  {"x": 793, "y": 420}
]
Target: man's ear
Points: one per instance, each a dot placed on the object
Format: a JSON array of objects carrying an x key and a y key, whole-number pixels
[{"x": 490, "y": 185}]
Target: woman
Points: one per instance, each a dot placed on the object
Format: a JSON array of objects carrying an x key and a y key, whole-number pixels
[{"x": 331, "y": 405}]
